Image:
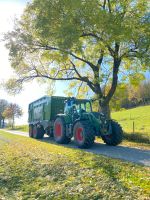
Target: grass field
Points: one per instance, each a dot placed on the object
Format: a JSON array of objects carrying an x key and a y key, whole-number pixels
[
  {"x": 31, "y": 169},
  {"x": 141, "y": 118}
]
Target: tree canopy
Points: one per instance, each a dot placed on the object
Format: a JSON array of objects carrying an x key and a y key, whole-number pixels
[{"x": 94, "y": 43}]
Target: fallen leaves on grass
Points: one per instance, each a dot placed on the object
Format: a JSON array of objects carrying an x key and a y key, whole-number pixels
[{"x": 31, "y": 169}]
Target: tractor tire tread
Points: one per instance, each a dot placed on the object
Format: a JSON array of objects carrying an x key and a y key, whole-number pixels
[
  {"x": 117, "y": 134},
  {"x": 65, "y": 139},
  {"x": 89, "y": 136}
]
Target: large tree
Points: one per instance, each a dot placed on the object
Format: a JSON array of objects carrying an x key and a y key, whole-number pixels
[{"x": 93, "y": 43}]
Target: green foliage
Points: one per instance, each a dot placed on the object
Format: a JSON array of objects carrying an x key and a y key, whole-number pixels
[
  {"x": 120, "y": 94},
  {"x": 32, "y": 169},
  {"x": 131, "y": 95}
]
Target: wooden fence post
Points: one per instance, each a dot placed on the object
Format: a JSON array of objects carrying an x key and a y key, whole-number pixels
[{"x": 133, "y": 127}]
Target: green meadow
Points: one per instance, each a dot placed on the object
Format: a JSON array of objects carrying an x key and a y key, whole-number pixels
[{"x": 31, "y": 169}]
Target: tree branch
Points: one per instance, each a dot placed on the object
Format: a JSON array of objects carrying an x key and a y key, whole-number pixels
[
  {"x": 75, "y": 69},
  {"x": 27, "y": 78},
  {"x": 114, "y": 81},
  {"x": 101, "y": 39},
  {"x": 91, "y": 34},
  {"x": 100, "y": 58},
  {"x": 79, "y": 88},
  {"x": 46, "y": 47},
  {"x": 104, "y": 4},
  {"x": 109, "y": 6}
]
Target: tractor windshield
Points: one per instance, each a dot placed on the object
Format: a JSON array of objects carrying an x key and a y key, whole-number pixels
[{"x": 85, "y": 106}]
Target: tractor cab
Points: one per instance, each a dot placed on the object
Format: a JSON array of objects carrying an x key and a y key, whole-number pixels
[{"x": 79, "y": 106}]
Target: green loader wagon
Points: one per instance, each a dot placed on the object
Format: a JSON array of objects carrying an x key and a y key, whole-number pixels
[{"x": 64, "y": 118}]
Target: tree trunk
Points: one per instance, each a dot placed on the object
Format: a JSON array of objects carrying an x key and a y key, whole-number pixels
[
  {"x": 13, "y": 122},
  {"x": 105, "y": 109},
  {"x": 3, "y": 123}
]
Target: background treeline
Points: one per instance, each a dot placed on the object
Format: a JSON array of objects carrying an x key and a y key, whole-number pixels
[
  {"x": 130, "y": 96},
  {"x": 9, "y": 111}
]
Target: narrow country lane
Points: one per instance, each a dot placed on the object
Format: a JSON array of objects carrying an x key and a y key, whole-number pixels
[{"x": 125, "y": 153}]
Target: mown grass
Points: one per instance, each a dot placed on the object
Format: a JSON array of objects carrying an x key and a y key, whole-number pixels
[
  {"x": 141, "y": 118},
  {"x": 31, "y": 169}
]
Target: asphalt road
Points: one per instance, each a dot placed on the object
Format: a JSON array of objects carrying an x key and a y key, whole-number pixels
[{"x": 129, "y": 154}]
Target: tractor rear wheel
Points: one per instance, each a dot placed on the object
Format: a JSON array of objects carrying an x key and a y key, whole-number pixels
[
  {"x": 117, "y": 134},
  {"x": 60, "y": 131},
  {"x": 49, "y": 132},
  {"x": 38, "y": 131},
  {"x": 31, "y": 130},
  {"x": 84, "y": 134}
]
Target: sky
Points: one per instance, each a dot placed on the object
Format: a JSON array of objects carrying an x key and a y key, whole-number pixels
[{"x": 32, "y": 91}]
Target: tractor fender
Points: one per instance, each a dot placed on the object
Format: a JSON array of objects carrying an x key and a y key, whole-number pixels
[
  {"x": 65, "y": 117},
  {"x": 78, "y": 120}
]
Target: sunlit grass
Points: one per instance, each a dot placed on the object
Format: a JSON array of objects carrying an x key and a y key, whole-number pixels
[
  {"x": 31, "y": 169},
  {"x": 140, "y": 116}
]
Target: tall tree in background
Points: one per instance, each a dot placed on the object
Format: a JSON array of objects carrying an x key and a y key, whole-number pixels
[
  {"x": 3, "y": 106},
  {"x": 92, "y": 43},
  {"x": 11, "y": 112}
]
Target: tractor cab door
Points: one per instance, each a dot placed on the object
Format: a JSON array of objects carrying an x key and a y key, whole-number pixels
[{"x": 71, "y": 109}]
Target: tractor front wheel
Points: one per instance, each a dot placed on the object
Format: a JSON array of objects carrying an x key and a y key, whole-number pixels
[
  {"x": 117, "y": 134},
  {"x": 84, "y": 135},
  {"x": 60, "y": 131},
  {"x": 38, "y": 131}
]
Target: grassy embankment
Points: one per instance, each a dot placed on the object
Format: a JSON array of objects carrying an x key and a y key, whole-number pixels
[
  {"x": 31, "y": 169},
  {"x": 141, "y": 118}
]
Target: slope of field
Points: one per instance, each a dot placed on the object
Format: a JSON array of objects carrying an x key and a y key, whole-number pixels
[
  {"x": 31, "y": 169},
  {"x": 139, "y": 118}
]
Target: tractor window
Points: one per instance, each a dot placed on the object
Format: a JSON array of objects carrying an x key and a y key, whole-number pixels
[
  {"x": 82, "y": 106},
  {"x": 88, "y": 107}
]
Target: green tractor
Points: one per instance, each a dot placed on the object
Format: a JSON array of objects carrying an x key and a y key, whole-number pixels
[{"x": 81, "y": 123}]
